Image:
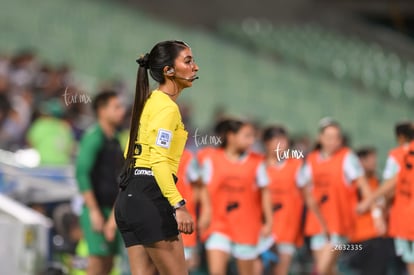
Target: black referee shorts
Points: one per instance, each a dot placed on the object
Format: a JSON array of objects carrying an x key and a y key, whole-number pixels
[{"x": 143, "y": 215}]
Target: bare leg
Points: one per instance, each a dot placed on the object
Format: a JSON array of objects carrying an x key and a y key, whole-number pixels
[
  {"x": 96, "y": 265},
  {"x": 168, "y": 256},
  {"x": 317, "y": 255},
  {"x": 245, "y": 267},
  {"x": 283, "y": 266},
  {"x": 139, "y": 261},
  {"x": 258, "y": 267},
  {"x": 410, "y": 268},
  {"x": 217, "y": 262},
  {"x": 326, "y": 260},
  {"x": 108, "y": 264}
]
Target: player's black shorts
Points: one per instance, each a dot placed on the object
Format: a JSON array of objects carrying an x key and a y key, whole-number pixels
[{"x": 142, "y": 213}]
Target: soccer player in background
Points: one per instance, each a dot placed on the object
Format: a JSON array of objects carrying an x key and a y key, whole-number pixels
[
  {"x": 190, "y": 186},
  {"x": 396, "y": 189},
  {"x": 237, "y": 183},
  {"x": 373, "y": 249},
  {"x": 98, "y": 165},
  {"x": 329, "y": 181},
  {"x": 283, "y": 169}
]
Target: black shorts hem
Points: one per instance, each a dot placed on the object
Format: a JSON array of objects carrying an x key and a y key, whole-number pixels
[{"x": 148, "y": 242}]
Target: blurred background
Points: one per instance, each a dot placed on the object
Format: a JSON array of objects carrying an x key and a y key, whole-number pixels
[{"x": 290, "y": 62}]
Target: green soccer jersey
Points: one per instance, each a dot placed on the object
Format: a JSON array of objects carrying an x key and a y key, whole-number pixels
[{"x": 53, "y": 139}]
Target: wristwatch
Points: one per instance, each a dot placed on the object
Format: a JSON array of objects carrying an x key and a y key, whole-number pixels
[{"x": 179, "y": 204}]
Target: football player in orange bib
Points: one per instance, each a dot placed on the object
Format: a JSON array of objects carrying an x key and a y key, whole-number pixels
[
  {"x": 373, "y": 252},
  {"x": 398, "y": 184},
  {"x": 237, "y": 183},
  {"x": 330, "y": 178},
  {"x": 190, "y": 186},
  {"x": 283, "y": 167}
]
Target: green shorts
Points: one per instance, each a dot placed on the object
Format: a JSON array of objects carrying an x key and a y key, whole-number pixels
[{"x": 97, "y": 244}]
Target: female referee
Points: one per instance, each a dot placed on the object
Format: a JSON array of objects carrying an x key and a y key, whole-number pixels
[{"x": 149, "y": 211}]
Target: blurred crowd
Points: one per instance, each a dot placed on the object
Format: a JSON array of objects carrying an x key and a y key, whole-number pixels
[{"x": 43, "y": 106}]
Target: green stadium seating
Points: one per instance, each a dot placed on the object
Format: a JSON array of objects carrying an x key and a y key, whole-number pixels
[
  {"x": 318, "y": 48},
  {"x": 101, "y": 40}
]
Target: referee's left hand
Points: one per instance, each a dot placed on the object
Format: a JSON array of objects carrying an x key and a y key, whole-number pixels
[{"x": 184, "y": 220}]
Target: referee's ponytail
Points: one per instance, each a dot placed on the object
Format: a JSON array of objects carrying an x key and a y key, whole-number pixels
[
  {"x": 141, "y": 95},
  {"x": 162, "y": 54}
]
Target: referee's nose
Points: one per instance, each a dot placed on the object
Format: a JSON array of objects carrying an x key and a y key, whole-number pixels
[{"x": 195, "y": 67}]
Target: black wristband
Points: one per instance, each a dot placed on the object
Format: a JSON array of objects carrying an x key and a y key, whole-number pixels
[{"x": 179, "y": 204}]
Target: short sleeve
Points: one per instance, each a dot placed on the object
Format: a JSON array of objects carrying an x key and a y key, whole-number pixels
[
  {"x": 391, "y": 168},
  {"x": 193, "y": 171},
  {"x": 352, "y": 167},
  {"x": 304, "y": 175},
  {"x": 206, "y": 171},
  {"x": 297, "y": 173},
  {"x": 262, "y": 179},
  {"x": 89, "y": 148}
]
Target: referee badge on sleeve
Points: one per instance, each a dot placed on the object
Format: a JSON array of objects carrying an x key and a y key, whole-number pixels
[{"x": 164, "y": 138}]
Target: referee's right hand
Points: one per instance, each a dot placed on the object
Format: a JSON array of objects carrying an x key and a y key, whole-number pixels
[{"x": 184, "y": 220}]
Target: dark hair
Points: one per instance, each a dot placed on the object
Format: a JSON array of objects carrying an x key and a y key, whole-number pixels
[
  {"x": 404, "y": 129},
  {"x": 226, "y": 126},
  {"x": 273, "y": 132},
  {"x": 364, "y": 152},
  {"x": 221, "y": 126},
  {"x": 162, "y": 54},
  {"x": 101, "y": 99}
]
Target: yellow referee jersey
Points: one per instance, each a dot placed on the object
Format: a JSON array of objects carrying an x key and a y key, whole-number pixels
[{"x": 160, "y": 143}]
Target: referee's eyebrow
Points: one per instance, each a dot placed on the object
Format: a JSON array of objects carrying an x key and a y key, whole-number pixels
[{"x": 186, "y": 56}]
